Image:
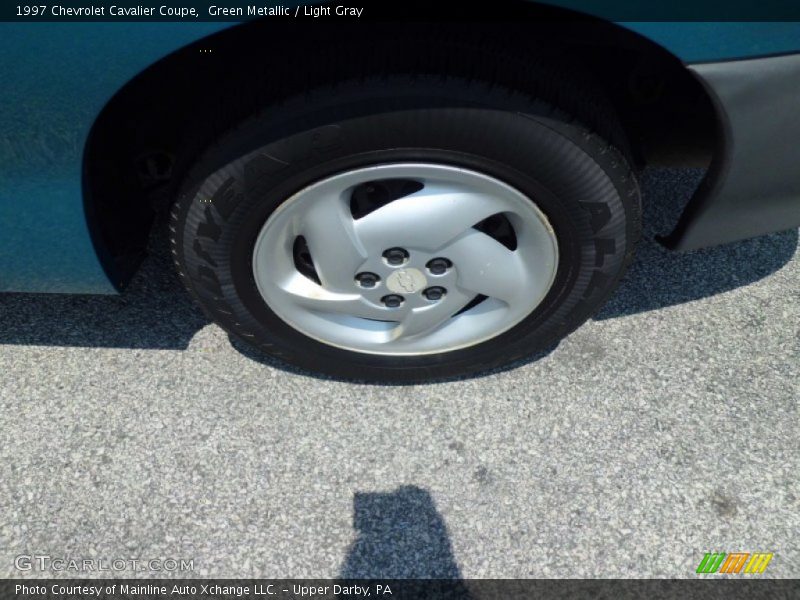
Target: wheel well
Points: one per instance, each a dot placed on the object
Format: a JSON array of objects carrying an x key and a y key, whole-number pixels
[{"x": 155, "y": 127}]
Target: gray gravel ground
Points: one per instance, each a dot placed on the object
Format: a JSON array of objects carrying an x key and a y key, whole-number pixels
[{"x": 664, "y": 428}]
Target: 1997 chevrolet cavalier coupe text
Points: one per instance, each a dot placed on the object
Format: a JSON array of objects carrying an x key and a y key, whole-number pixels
[{"x": 392, "y": 201}]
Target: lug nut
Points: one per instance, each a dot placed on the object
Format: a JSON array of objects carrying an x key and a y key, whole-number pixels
[
  {"x": 392, "y": 300},
  {"x": 438, "y": 266},
  {"x": 367, "y": 279},
  {"x": 395, "y": 256},
  {"x": 434, "y": 293}
]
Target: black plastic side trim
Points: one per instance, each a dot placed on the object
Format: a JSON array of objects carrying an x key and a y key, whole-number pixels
[{"x": 753, "y": 184}]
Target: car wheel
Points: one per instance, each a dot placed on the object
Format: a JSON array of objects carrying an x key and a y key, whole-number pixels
[{"x": 406, "y": 228}]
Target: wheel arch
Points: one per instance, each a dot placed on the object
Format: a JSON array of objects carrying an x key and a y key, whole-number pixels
[{"x": 151, "y": 131}]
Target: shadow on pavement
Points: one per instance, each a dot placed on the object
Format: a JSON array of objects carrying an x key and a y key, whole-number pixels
[
  {"x": 156, "y": 313},
  {"x": 401, "y": 535},
  {"x": 659, "y": 278}
]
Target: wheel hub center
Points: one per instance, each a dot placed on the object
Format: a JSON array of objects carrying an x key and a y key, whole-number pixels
[{"x": 406, "y": 281}]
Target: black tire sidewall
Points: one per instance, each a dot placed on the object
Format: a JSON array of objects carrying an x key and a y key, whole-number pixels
[{"x": 583, "y": 186}]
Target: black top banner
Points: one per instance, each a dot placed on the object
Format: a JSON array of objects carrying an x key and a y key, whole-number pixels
[
  {"x": 398, "y": 10},
  {"x": 395, "y": 589}
]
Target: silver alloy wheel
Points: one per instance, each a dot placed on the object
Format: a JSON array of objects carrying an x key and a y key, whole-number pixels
[{"x": 374, "y": 288}]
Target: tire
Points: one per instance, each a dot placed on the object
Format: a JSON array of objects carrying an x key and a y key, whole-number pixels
[{"x": 580, "y": 185}]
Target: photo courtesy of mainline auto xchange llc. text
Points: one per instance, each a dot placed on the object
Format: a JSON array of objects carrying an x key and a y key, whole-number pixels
[{"x": 211, "y": 590}]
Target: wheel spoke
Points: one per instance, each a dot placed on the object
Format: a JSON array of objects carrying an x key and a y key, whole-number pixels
[
  {"x": 332, "y": 242},
  {"x": 424, "y": 320},
  {"x": 487, "y": 267},
  {"x": 309, "y": 295},
  {"x": 427, "y": 219}
]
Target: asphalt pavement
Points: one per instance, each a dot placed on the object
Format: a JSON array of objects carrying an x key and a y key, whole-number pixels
[{"x": 665, "y": 428}]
